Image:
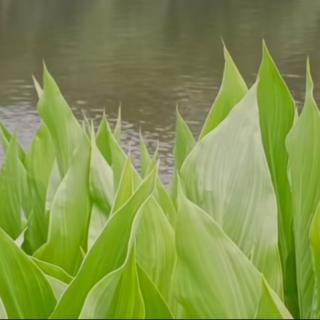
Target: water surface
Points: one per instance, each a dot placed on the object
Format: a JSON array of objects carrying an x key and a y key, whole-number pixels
[{"x": 147, "y": 55}]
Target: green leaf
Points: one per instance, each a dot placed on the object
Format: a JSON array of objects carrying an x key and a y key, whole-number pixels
[
  {"x": 111, "y": 150},
  {"x": 277, "y": 112},
  {"x": 66, "y": 132},
  {"x": 117, "y": 128},
  {"x": 58, "y": 287},
  {"x": 155, "y": 305},
  {"x": 156, "y": 252},
  {"x": 39, "y": 164},
  {"x": 116, "y": 296},
  {"x": 53, "y": 270},
  {"x": 3, "y": 312},
  {"x": 69, "y": 216},
  {"x": 227, "y": 175},
  {"x": 145, "y": 158},
  {"x": 314, "y": 236},
  {"x": 100, "y": 180},
  {"x": 184, "y": 140},
  {"x": 107, "y": 254},
  {"x": 126, "y": 186},
  {"x": 232, "y": 90},
  {"x": 303, "y": 145},
  {"x": 24, "y": 291},
  {"x": 5, "y": 138},
  {"x": 214, "y": 279},
  {"x": 12, "y": 187}
]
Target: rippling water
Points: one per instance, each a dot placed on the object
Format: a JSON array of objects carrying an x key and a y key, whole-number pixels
[{"x": 147, "y": 55}]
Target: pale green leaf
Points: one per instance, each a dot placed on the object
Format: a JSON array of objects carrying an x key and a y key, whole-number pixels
[
  {"x": 66, "y": 132},
  {"x": 184, "y": 140},
  {"x": 24, "y": 291},
  {"x": 277, "y": 112},
  {"x": 39, "y": 164},
  {"x": 69, "y": 216},
  {"x": 227, "y": 175},
  {"x": 232, "y": 90},
  {"x": 53, "y": 270},
  {"x": 156, "y": 252},
  {"x": 155, "y": 305},
  {"x": 12, "y": 187},
  {"x": 117, "y": 128},
  {"x": 100, "y": 180},
  {"x": 107, "y": 254},
  {"x": 214, "y": 279},
  {"x": 116, "y": 296},
  {"x": 315, "y": 251},
  {"x": 304, "y": 152}
]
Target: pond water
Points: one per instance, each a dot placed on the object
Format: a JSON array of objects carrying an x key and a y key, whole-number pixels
[{"x": 147, "y": 55}]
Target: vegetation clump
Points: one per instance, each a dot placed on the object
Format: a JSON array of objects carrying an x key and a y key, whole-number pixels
[{"x": 83, "y": 234}]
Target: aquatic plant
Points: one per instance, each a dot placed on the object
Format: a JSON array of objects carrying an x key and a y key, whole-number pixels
[{"x": 83, "y": 234}]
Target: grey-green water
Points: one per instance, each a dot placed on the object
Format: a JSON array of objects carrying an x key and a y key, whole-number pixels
[{"x": 148, "y": 55}]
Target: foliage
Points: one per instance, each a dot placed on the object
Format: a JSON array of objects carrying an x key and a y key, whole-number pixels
[{"x": 83, "y": 234}]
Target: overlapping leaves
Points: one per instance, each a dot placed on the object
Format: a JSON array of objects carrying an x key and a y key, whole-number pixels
[{"x": 84, "y": 235}]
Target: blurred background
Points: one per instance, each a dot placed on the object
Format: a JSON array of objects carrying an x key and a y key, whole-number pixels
[{"x": 147, "y": 55}]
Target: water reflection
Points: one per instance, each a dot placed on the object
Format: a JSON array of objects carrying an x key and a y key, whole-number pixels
[{"x": 148, "y": 55}]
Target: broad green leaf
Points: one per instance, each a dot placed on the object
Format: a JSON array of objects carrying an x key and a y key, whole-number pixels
[
  {"x": 315, "y": 250},
  {"x": 107, "y": 254},
  {"x": 214, "y": 279},
  {"x": 155, "y": 305},
  {"x": 116, "y": 296},
  {"x": 303, "y": 145},
  {"x": 156, "y": 252},
  {"x": 100, "y": 180},
  {"x": 66, "y": 132},
  {"x": 53, "y": 270},
  {"x": 69, "y": 216},
  {"x": 12, "y": 186},
  {"x": 24, "y": 290},
  {"x": 227, "y": 175},
  {"x": 277, "y": 112},
  {"x": 232, "y": 90},
  {"x": 39, "y": 164}
]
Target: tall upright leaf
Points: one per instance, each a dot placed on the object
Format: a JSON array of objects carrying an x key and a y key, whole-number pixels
[
  {"x": 65, "y": 130},
  {"x": 315, "y": 253},
  {"x": 12, "y": 187},
  {"x": 277, "y": 112},
  {"x": 107, "y": 254},
  {"x": 111, "y": 150},
  {"x": 117, "y": 295},
  {"x": 214, "y": 278},
  {"x": 39, "y": 164},
  {"x": 232, "y": 90},
  {"x": 24, "y": 290},
  {"x": 156, "y": 252},
  {"x": 227, "y": 175},
  {"x": 304, "y": 152},
  {"x": 69, "y": 216},
  {"x": 184, "y": 140}
]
